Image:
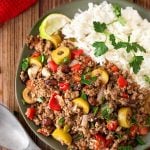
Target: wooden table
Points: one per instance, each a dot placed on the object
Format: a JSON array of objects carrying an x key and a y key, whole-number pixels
[{"x": 12, "y": 38}]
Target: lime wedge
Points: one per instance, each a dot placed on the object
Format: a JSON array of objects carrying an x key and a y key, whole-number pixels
[{"x": 51, "y": 24}]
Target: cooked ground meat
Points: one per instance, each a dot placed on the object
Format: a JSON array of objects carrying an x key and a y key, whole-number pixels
[{"x": 85, "y": 104}]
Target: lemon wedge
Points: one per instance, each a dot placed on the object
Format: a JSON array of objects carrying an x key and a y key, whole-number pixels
[{"x": 51, "y": 24}]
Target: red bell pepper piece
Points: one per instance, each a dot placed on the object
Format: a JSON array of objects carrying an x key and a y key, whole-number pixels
[
  {"x": 53, "y": 103},
  {"x": 114, "y": 68},
  {"x": 64, "y": 86},
  {"x": 36, "y": 54},
  {"x": 76, "y": 67},
  {"x": 112, "y": 125},
  {"x": 101, "y": 141},
  {"x": 134, "y": 130},
  {"x": 122, "y": 82},
  {"x": 30, "y": 113},
  {"x": 143, "y": 130},
  {"x": 52, "y": 66},
  {"x": 76, "y": 53}
]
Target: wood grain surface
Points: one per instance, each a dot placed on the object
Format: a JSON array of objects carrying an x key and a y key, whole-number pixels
[{"x": 12, "y": 38}]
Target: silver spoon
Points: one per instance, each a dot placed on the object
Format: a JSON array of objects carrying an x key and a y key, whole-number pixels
[{"x": 12, "y": 134}]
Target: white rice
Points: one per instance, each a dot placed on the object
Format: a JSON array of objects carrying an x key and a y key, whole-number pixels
[{"x": 81, "y": 28}]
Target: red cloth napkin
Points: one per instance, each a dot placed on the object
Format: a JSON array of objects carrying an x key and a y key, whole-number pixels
[{"x": 12, "y": 8}]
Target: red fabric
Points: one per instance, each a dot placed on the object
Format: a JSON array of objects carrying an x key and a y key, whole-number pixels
[{"x": 12, "y": 8}]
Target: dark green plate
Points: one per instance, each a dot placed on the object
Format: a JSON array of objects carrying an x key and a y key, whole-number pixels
[{"x": 68, "y": 10}]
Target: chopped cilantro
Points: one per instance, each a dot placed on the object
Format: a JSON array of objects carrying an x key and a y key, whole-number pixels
[
  {"x": 135, "y": 63},
  {"x": 66, "y": 60},
  {"x": 117, "y": 10},
  {"x": 147, "y": 78},
  {"x": 42, "y": 58},
  {"x": 88, "y": 81},
  {"x": 61, "y": 121},
  {"x": 25, "y": 64},
  {"x": 99, "y": 27},
  {"x": 23, "y": 102},
  {"x": 118, "y": 136},
  {"x": 139, "y": 140},
  {"x": 77, "y": 137},
  {"x": 84, "y": 96},
  {"x": 95, "y": 110},
  {"x": 133, "y": 119},
  {"x": 100, "y": 48},
  {"x": 40, "y": 99},
  {"x": 128, "y": 147},
  {"x": 148, "y": 121},
  {"x": 121, "y": 20},
  {"x": 105, "y": 112}
]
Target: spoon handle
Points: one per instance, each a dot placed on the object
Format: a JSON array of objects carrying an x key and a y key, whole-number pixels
[{"x": 32, "y": 146}]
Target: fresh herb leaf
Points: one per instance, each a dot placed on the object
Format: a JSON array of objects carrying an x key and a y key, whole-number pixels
[
  {"x": 133, "y": 119},
  {"x": 147, "y": 78},
  {"x": 148, "y": 121},
  {"x": 121, "y": 45},
  {"x": 86, "y": 81},
  {"x": 135, "y": 63},
  {"x": 23, "y": 102},
  {"x": 139, "y": 140},
  {"x": 100, "y": 48},
  {"x": 95, "y": 110},
  {"x": 118, "y": 136},
  {"x": 121, "y": 20},
  {"x": 105, "y": 112},
  {"x": 117, "y": 10},
  {"x": 61, "y": 121},
  {"x": 25, "y": 64},
  {"x": 77, "y": 137},
  {"x": 112, "y": 39},
  {"x": 125, "y": 147},
  {"x": 135, "y": 46},
  {"x": 40, "y": 99},
  {"x": 42, "y": 58},
  {"x": 84, "y": 96},
  {"x": 66, "y": 60},
  {"x": 99, "y": 27}
]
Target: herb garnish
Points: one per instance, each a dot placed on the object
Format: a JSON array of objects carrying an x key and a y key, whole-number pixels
[
  {"x": 105, "y": 112},
  {"x": 147, "y": 78},
  {"x": 148, "y": 121},
  {"x": 83, "y": 95},
  {"x": 117, "y": 10},
  {"x": 139, "y": 140},
  {"x": 99, "y": 27},
  {"x": 42, "y": 58},
  {"x": 61, "y": 121},
  {"x": 100, "y": 48},
  {"x": 95, "y": 110},
  {"x": 88, "y": 81},
  {"x": 77, "y": 137},
  {"x": 125, "y": 147},
  {"x": 40, "y": 99},
  {"x": 135, "y": 63},
  {"x": 25, "y": 64}
]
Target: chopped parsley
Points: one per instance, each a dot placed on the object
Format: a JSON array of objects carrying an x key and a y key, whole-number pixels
[
  {"x": 42, "y": 58},
  {"x": 25, "y": 64},
  {"x": 133, "y": 119},
  {"x": 88, "y": 81},
  {"x": 99, "y": 27},
  {"x": 77, "y": 137},
  {"x": 139, "y": 140},
  {"x": 83, "y": 95},
  {"x": 40, "y": 99},
  {"x": 117, "y": 10},
  {"x": 105, "y": 112},
  {"x": 100, "y": 48},
  {"x": 61, "y": 121},
  {"x": 135, "y": 63},
  {"x": 95, "y": 110},
  {"x": 147, "y": 78},
  {"x": 148, "y": 121},
  {"x": 128, "y": 147}
]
